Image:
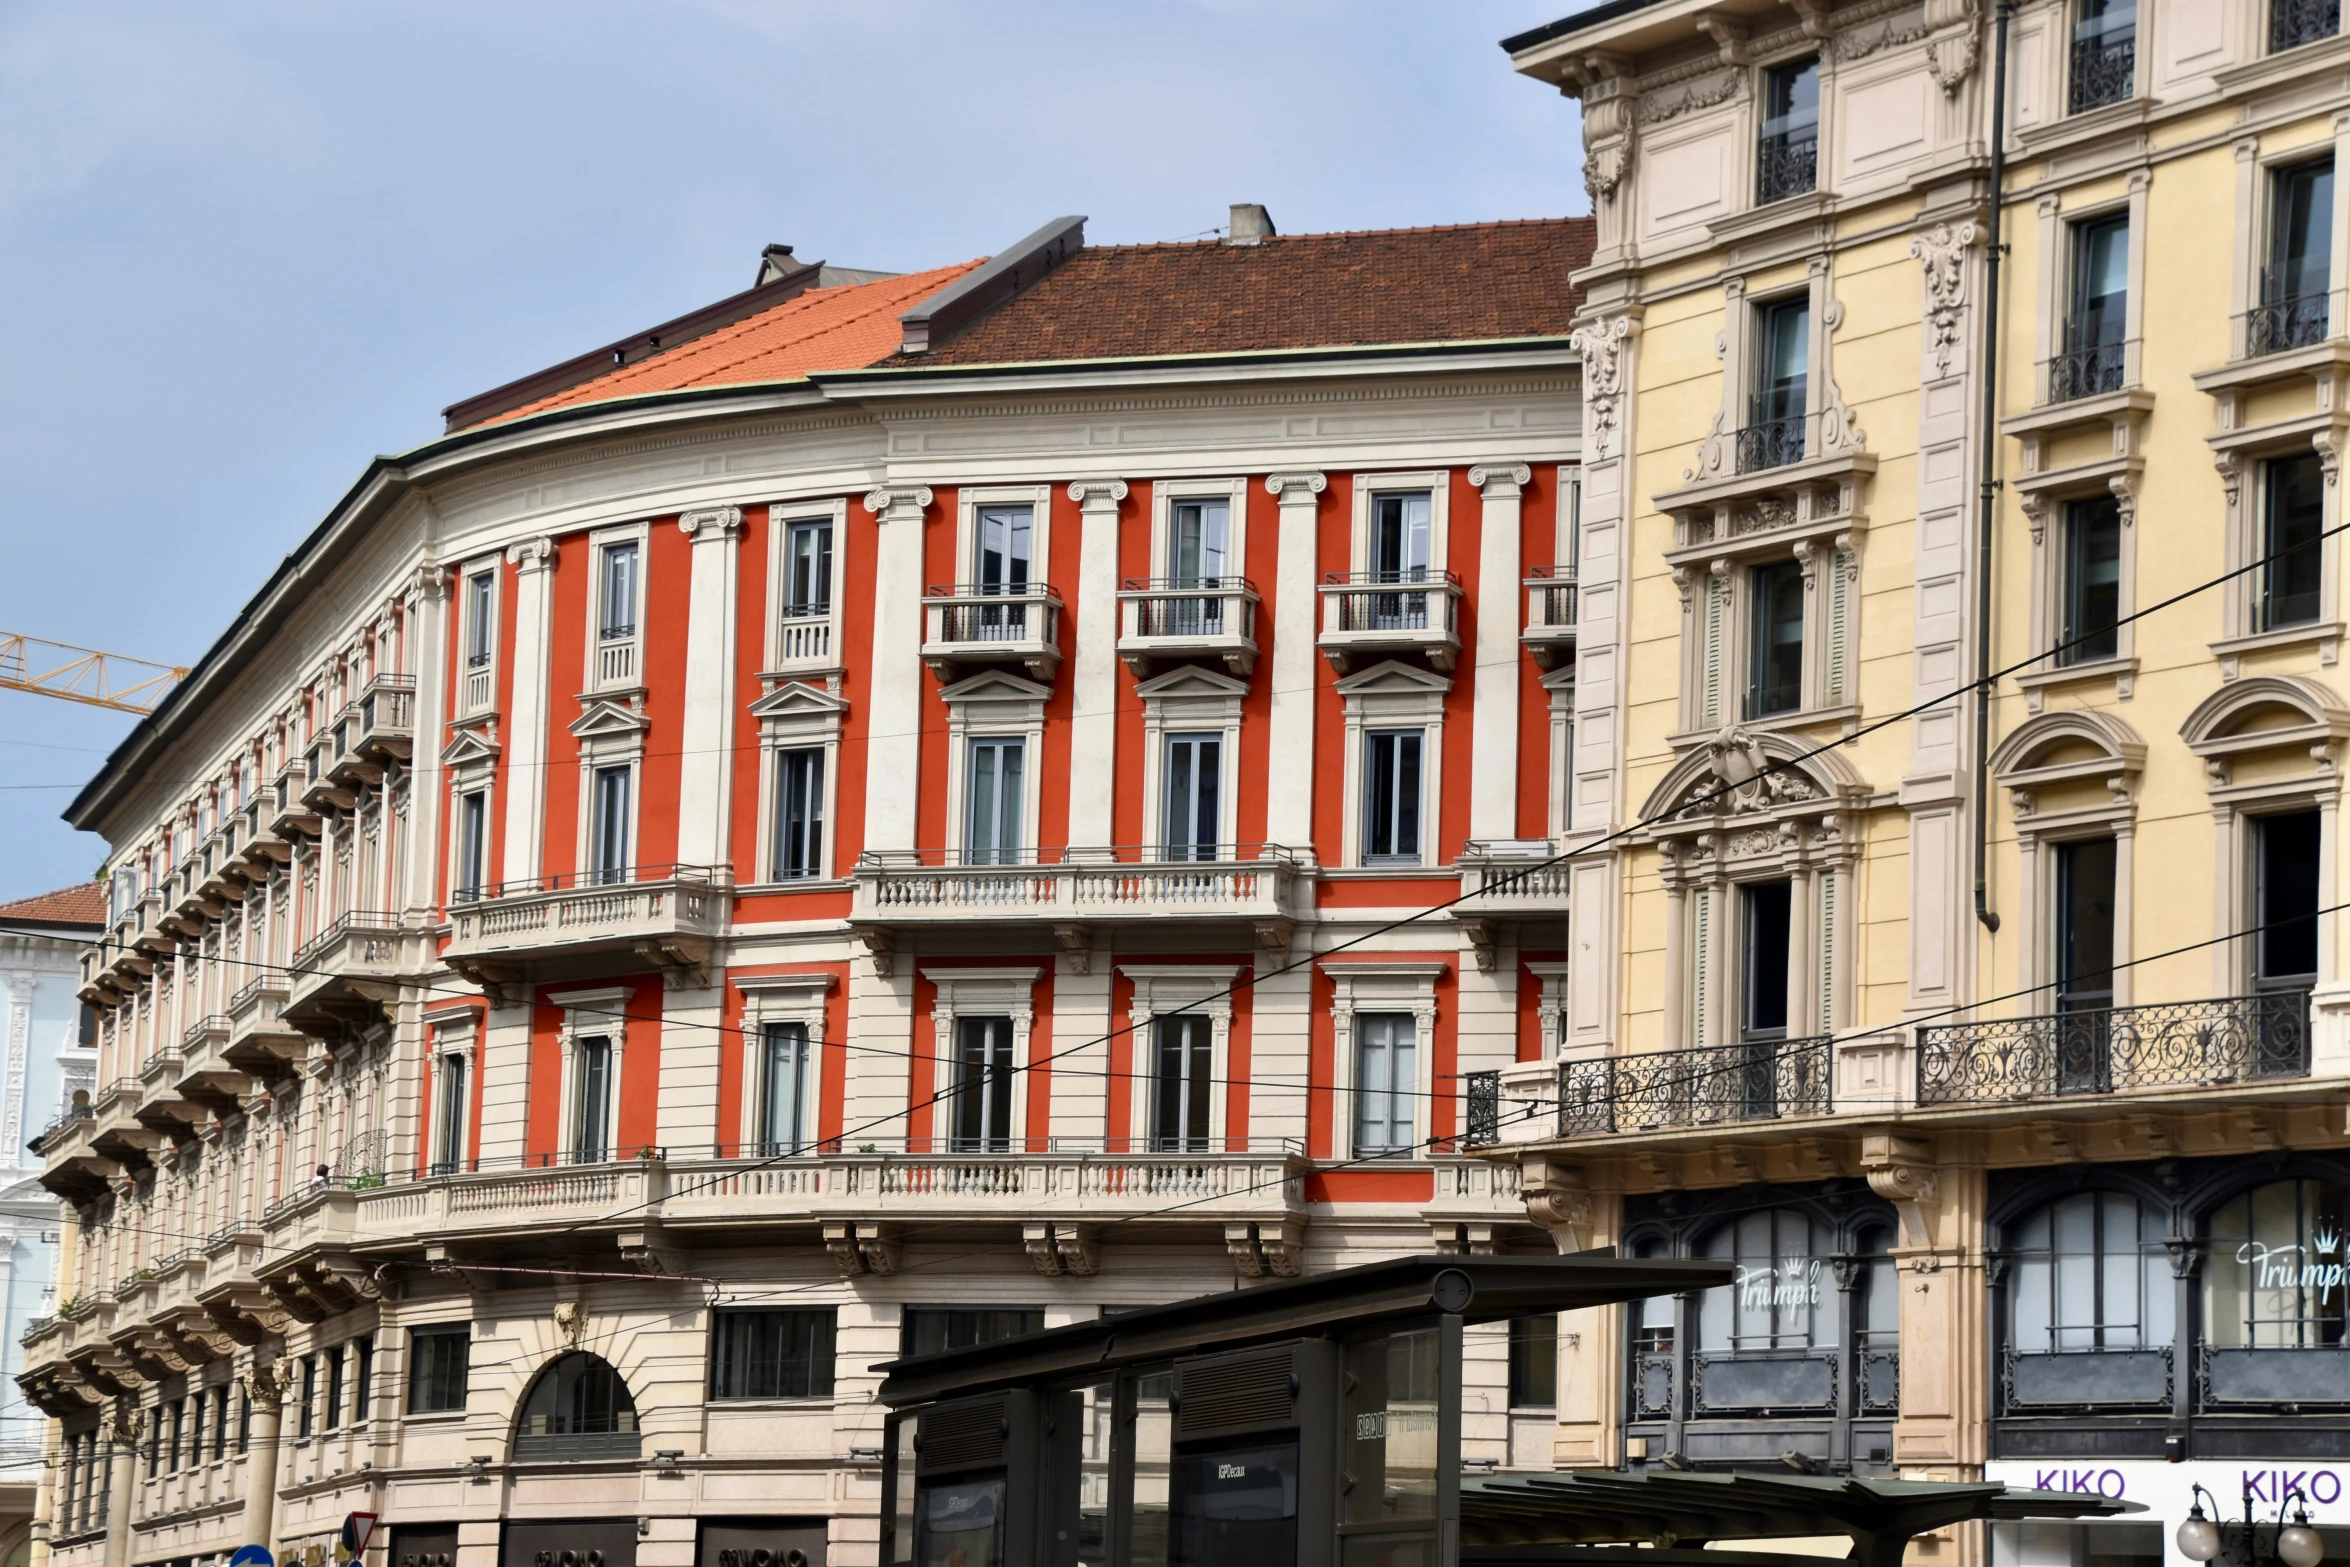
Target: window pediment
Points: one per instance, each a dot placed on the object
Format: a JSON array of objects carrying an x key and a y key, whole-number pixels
[
  {"x": 2267, "y": 713},
  {"x": 1391, "y": 679},
  {"x": 470, "y": 748},
  {"x": 996, "y": 685},
  {"x": 607, "y": 719},
  {"x": 796, "y": 699},
  {"x": 1742, "y": 773},
  {"x": 2068, "y": 747}
]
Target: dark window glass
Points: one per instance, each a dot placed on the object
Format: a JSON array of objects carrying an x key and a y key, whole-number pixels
[
  {"x": 591, "y": 1106},
  {"x": 1788, "y": 154},
  {"x": 1534, "y": 1362},
  {"x": 579, "y": 1395},
  {"x": 362, "y": 1377},
  {"x": 925, "y": 1330},
  {"x": 1401, "y": 530},
  {"x": 2092, "y": 581},
  {"x": 772, "y": 1354},
  {"x": 608, "y": 840},
  {"x": 307, "y": 1420},
  {"x": 1006, "y": 545},
  {"x": 807, "y": 590},
  {"x": 220, "y": 1423},
  {"x": 2285, "y": 885},
  {"x": 437, "y": 1360},
  {"x": 448, "y": 1132},
  {"x": 331, "y": 1412},
  {"x": 2292, "y": 23},
  {"x": 994, "y": 809},
  {"x": 2301, "y": 233},
  {"x": 618, "y": 618},
  {"x": 1234, "y": 1503},
  {"x": 1391, "y": 797},
  {"x": 2084, "y": 925},
  {"x": 1774, "y": 433},
  {"x": 473, "y": 838},
  {"x": 478, "y": 630},
  {"x": 1192, "y": 783},
  {"x": 1387, "y": 1081},
  {"x": 799, "y": 813},
  {"x": 783, "y": 1083},
  {"x": 1180, "y": 1101},
  {"x": 1775, "y": 684},
  {"x": 2293, "y": 517},
  {"x": 2101, "y": 282},
  {"x": 983, "y": 1084},
  {"x": 2105, "y": 53},
  {"x": 1764, "y": 907}
]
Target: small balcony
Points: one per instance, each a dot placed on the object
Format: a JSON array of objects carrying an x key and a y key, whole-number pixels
[
  {"x": 71, "y": 1166},
  {"x": 2091, "y": 370},
  {"x": 260, "y": 1041},
  {"x": 2104, "y": 65},
  {"x": 1772, "y": 437},
  {"x": 1517, "y": 878},
  {"x": 1070, "y": 889},
  {"x": 283, "y": 812},
  {"x": 1551, "y": 605},
  {"x": 335, "y": 769},
  {"x": 1176, "y": 620},
  {"x": 205, "y": 1077},
  {"x": 1786, "y": 164},
  {"x": 2235, "y": 1041},
  {"x": 346, "y": 973},
  {"x": 119, "y": 1134},
  {"x": 625, "y": 920},
  {"x": 2293, "y": 23},
  {"x": 477, "y": 686},
  {"x": 1670, "y": 1090},
  {"x": 970, "y": 625},
  {"x": 383, "y": 721},
  {"x": 1371, "y": 615},
  {"x": 804, "y": 637}
]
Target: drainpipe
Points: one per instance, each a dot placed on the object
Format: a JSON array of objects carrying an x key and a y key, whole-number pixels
[{"x": 1989, "y": 459}]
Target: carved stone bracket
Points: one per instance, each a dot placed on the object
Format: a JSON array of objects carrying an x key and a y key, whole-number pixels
[
  {"x": 880, "y": 946},
  {"x": 1059, "y": 1248},
  {"x": 1267, "y": 1250},
  {"x": 863, "y": 1246},
  {"x": 1076, "y": 944},
  {"x": 1902, "y": 1171}
]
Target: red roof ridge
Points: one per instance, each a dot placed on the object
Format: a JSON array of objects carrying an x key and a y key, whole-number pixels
[{"x": 81, "y": 904}]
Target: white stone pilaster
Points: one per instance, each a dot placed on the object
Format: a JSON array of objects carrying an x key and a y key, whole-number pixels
[
  {"x": 522, "y": 853},
  {"x": 705, "y": 770},
  {"x": 1289, "y": 805},
  {"x": 1493, "y": 740},
  {"x": 894, "y": 754},
  {"x": 427, "y": 647},
  {"x": 1093, "y": 690}
]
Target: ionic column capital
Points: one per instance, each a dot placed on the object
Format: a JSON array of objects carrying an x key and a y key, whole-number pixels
[
  {"x": 900, "y": 503},
  {"x": 1295, "y": 488},
  {"x": 711, "y": 525},
  {"x": 1500, "y": 480},
  {"x": 1097, "y": 494},
  {"x": 531, "y": 555}
]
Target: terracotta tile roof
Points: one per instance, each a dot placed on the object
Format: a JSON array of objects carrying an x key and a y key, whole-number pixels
[
  {"x": 824, "y": 329},
  {"x": 83, "y": 904},
  {"x": 1470, "y": 282}
]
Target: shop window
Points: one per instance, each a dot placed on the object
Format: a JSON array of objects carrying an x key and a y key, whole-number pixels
[
  {"x": 1534, "y": 1362},
  {"x": 2091, "y": 1273},
  {"x": 2274, "y": 1276},
  {"x": 578, "y": 1408},
  {"x": 772, "y": 1354},
  {"x": 925, "y": 1330}
]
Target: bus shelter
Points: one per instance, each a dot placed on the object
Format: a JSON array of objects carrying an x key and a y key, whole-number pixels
[{"x": 1316, "y": 1422}]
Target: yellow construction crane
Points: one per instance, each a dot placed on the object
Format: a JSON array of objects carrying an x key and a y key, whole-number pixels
[{"x": 80, "y": 674}]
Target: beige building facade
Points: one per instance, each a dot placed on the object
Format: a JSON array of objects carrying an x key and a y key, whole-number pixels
[{"x": 2001, "y": 1045}]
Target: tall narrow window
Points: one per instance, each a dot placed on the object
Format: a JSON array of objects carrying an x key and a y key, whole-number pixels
[
  {"x": 993, "y": 833},
  {"x": 591, "y": 1105},
  {"x": 616, "y": 610},
  {"x": 473, "y": 823},
  {"x": 2105, "y": 53},
  {"x": 362, "y": 1378},
  {"x": 1774, "y": 432},
  {"x": 1764, "y": 925},
  {"x": 608, "y": 832},
  {"x": 983, "y": 1084},
  {"x": 332, "y": 1409},
  {"x": 1775, "y": 655},
  {"x": 2296, "y": 280},
  {"x": 799, "y": 813},
  {"x": 2285, "y": 892},
  {"x": 2292, "y": 23},
  {"x": 479, "y": 630},
  {"x": 1787, "y": 159},
  {"x": 1402, "y": 550},
  {"x": 2097, "y": 313},
  {"x": 1179, "y": 1114},
  {"x": 1192, "y": 781},
  {"x": 1006, "y": 556},
  {"x": 1199, "y": 548},
  {"x": 1386, "y": 1081},
  {"x": 2292, "y": 543},
  {"x": 448, "y": 1118},
  {"x": 783, "y": 1082},
  {"x": 807, "y": 588},
  {"x": 308, "y": 1415},
  {"x": 2084, "y": 966},
  {"x": 2092, "y": 581},
  {"x": 1391, "y": 797},
  {"x": 1534, "y": 1362}
]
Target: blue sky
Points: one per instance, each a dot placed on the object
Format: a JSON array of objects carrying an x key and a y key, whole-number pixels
[{"x": 246, "y": 246}]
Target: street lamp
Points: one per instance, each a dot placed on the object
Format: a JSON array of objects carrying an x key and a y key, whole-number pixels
[{"x": 2204, "y": 1539}]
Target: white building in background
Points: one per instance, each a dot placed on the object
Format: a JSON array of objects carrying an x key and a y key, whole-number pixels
[{"x": 48, "y": 1059}]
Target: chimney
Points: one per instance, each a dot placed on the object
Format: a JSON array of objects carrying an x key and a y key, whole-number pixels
[
  {"x": 1250, "y": 223},
  {"x": 776, "y": 262}
]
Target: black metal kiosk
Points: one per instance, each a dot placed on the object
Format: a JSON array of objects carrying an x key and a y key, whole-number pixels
[{"x": 1317, "y": 1423}]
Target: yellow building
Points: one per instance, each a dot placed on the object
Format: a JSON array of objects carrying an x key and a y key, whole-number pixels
[{"x": 2025, "y": 1128}]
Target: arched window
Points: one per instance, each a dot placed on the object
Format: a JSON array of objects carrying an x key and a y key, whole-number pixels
[
  {"x": 578, "y": 1408},
  {"x": 2274, "y": 1276},
  {"x": 2091, "y": 1273},
  {"x": 1782, "y": 1294}
]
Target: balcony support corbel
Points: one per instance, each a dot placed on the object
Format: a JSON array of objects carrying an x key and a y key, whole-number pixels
[
  {"x": 500, "y": 985},
  {"x": 1076, "y": 943},
  {"x": 881, "y": 946},
  {"x": 1557, "y": 1199},
  {"x": 684, "y": 961},
  {"x": 862, "y": 1246},
  {"x": 1267, "y": 1250},
  {"x": 1484, "y": 942},
  {"x": 1056, "y": 1248},
  {"x": 645, "y": 1249}
]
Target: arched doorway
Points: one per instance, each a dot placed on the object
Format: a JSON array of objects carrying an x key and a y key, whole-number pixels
[{"x": 578, "y": 1408}]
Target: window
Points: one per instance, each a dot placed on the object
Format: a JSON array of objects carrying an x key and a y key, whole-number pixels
[
  {"x": 772, "y": 1354},
  {"x": 480, "y": 589},
  {"x": 1787, "y": 159},
  {"x": 2272, "y": 1278},
  {"x": 219, "y": 1423},
  {"x": 1401, "y": 539},
  {"x": 307, "y": 1420},
  {"x": 176, "y": 1446},
  {"x": 1199, "y": 541},
  {"x": 1391, "y": 797},
  {"x": 1534, "y": 1362},
  {"x": 591, "y": 1104},
  {"x": 1182, "y": 1083},
  {"x": 362, "y": 1377},
  {"x": 1386, "y": 1081},
  {"x": 983, "y": 1085},
  {"x": 1774, "y": 432},
  {"x": 925, "y": 1330},
  {"x": 2285, "y": 892},
  {"x": 580, "y": 1395},
  {"x": 1764, "y": 917},
  {"x": 608, "y": 830},
  {"x": 473, "y": 812},
  {"x": 2292, "y": 540},
  {"x": 2105, "y": 53},
  {"x": 1774, "y": 682},
  {"x": 2096, "y": 314},
  {"x": 1006, "y": 545},
  {"x": 799, "y": 813},
  {"x": 2091, "y": 1273},
  {"x": 1778, "y": 1297},
  {"x": 807, "y": 569},
  {"x": 617, "y": 593},
  {"x": 2292, "y": 23},
  {"x": 1192, "y": 782},
  {"x": 994, "y": 831},
  {"x": 448, "y": 1116},
  {"x": 2092, "y": 586},
  {"x": 437, "y": 1368},
  {"x": 783, "y": 1084},
  {"x": 2296, "y": 281},
  {"x": 332, "y": 1411},
  {"x": 2084, "y": 924}
]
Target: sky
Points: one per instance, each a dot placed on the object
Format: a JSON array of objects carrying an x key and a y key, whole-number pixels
[{"x": 246, "y": 246}]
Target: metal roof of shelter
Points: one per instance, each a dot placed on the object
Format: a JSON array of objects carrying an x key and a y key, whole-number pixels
[
  {"x": 1576, "y": 1514},
  {"x": 1477, "y": 1289}
]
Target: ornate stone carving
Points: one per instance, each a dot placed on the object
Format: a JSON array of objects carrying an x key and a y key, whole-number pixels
[
  {"x": 1601, "y": 343},
  {"x": 905, "y": 503},
  {"x": 1557, "y": 1199},
  {"x": 1060, "y": 1248},
  {"x": 1901, "y": 1170},
  {"x": 1870, "y": 37},
  {"x": 1943, "y": 249},
  {"x": 1951, "y": 58},
  {"x": 711, "y": 525},
  {"x": 570, "y": 1321},
  {"x": 1267, "y": 1250},
  {"x": 1703, "y": 92}
]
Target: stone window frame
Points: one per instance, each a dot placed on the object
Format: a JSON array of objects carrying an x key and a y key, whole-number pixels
[
  {"x": 1559, "y": 813},
  {"x": 2045, "y": 497},
  {"x": 492, "y": 566},
  {"x": 2258, "y": 160},
  {"x": 781, "y": 998},
  {"x": 798, "y": 716},
  {"x": 1551, "y": 1011},
  {"x": 456, "y": 1036},
  {"x": 1828, "y": 426},
  {"x": 780, "y": 517},
  {"x": 2242, "y": 457},
  {"x": 1394, "y": 695},
  {"x": 994, "y": 703},
  {"x": 2017, "y": 768},
  {"x": 1037, "y": 497},
  {"x": 2057, "y": 222},
  {"x": 1007, "y": 990},
  {"x": 611, "y": 733},
  {"x": 600, "y": 542},
  {"x": 470, "y": 761},
  {"x": 1821, "y": 534},
  {"x": 1159, "y": 990},
  {"x": 1189, "y": 699},
  {"x": 601, "y": 1012},
  {"x": 1383, "y": 985},
  {"x": 1435, "y": 483},
  {"x": 1166, "y": 492}
]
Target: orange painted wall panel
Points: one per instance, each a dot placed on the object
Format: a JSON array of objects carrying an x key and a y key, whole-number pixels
[
  {"x": 750, "y": 653},
  {"x": 939, "y": 565},
  {"x": 542, "y": 1127},
  {"x": 569, "y": 594},
  {"x": 668, "y": 594},
  {"x": 636, "y": 1121},
  {"x": 1337, "y": 1186},
  {"x": 1134, "y": 560},
  {"x": 1538, "y": 539}
]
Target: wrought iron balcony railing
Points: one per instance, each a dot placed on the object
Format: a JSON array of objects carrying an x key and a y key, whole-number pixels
[
  {"x": 1716, "y": 1085},
  {"x": 2087, "y": 372},
  {"x": 2279, "y": 324},
  {"x": 2104, "y": 70},
  {"x": 1786, "y": 165},
  {"x": 2186, "y": 1044},
  {"x": 2292, "y": 23},
  {"x": 1769, "y": 441}
]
